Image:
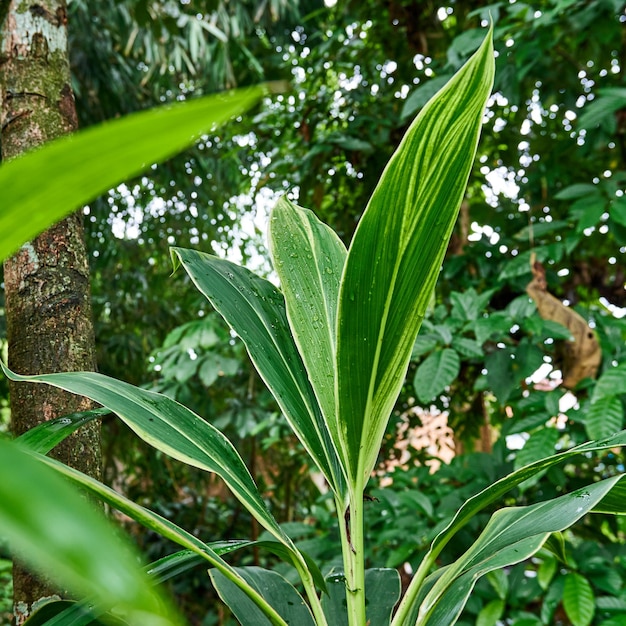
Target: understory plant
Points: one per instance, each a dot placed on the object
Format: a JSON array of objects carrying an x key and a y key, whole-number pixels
[{"x": 332, "y": 344}]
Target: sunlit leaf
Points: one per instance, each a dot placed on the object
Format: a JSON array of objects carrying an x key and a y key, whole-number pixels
[{"x": 396, "y": 254}]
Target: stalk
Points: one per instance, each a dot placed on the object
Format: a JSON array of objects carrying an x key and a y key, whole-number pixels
[
  {"x": 413, "y": 589},
  {"x": 311, "y": 593},
  {"x": 351, "y": 530}
]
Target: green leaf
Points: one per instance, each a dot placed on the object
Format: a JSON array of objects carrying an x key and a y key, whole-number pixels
[
  {"x": 511, "y": 536},
  {"x": 546, "y": 571},
  {"x": 58, "y": 533},
  {"x": 279, "y": 594},
  {"x": 209, "y": 552},
  {"x": 618, "y": 210},
  {"x": 493, "y": 493},
  {"x": 602, "y": 110},
  {"x": 614, "y": 502},
  {"x": 541, "y": 229},
  {"x": 435, "y": 373},
  {"x": 556, "y": 542},
  {"x": 540, "y": 445},
  {"x": 422, "y": 94},
  {"x": 556, "y": 331},
  {"x": 588, "y": 210},
  {"x": 499, "y": 580},
  {"x": 44, "y": 437},
  {"x": 578, "y": 190},
  {"x": 69, "y": 613},
  {"x": 396, "y": 254},
  {"x": 76, "y": 169},
  {"x": 500, "y": 374},
  {"x": 611, "y": 383},
  {"x": 255, "y": 310},
  {"x": 169, "y": 427},
  {"x": 424, "y": 344},
  {"x": 309, "y": 259},
  {"x": 578, "y": 600},
  {"x": 468, "y": 305},
  {"x": 468, "y": 347},
  {"x": 490, "y": 613},
  {"x": 520, "y": 264},
  {"x": 498, "y": 324},
  {"x": 382, "y": 591},
  {"x": 604, "y": 417}
]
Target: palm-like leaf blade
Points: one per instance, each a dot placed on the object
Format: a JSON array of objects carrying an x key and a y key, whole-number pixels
[{"x": 396, "y": 254}]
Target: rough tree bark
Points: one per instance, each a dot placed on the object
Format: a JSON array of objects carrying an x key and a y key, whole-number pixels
[{"x": 48, "y": 308}]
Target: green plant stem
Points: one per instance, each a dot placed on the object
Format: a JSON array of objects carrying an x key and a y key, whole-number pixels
[
  {"x": 411, "y": 593},
  {"x": 351, "y": 530},
  {"x": 311, "y": 593}
]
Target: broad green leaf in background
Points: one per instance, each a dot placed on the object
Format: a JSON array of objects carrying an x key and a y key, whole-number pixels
[
  {"x": 396, "y": 254},
  {"x": 578, "y": 190},
  {"x": 435, "y": 373},
  {"x": 169, "y": 427},
  {"x": 468, "y": 347},
  {"x": 546, "y": 571},
  {"x": 58, "y": 533},
  {"x": 611, "y": 383},
  {"x": 602, "y": 110},
  {"x": 382, "y": 592},
  {"x": 578, "y": 599},
  {"x": 500, "y": 373},
  {"x": 604, "y": 417},
  {"x": 309, "y": 258},
  {"x": 279, "y": 593},
  {"x": 588, "y": 210},
  {"x": 255, "y": 310},
  {"x": 540, "y": 445},
  {"x": 615, "y": 502},
  {"x": 468, "y": 305},
  {"x": 511, "y": 535},
  {"x": 75, "y": 169},
  {"x": 490, "y": 613}
]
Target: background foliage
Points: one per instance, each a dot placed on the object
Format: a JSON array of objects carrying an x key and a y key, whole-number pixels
[{"x": 548, "y": 181}]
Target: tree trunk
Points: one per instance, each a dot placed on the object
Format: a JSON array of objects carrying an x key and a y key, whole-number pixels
[{"x": 48, "y": 307}]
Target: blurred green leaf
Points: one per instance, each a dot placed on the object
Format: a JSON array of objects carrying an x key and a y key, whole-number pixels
[
  {"x": 76, "y": 169},
  {"x": 57, "y": 532},
  {"x": 435, "y": 373},
  {"x": 604, "y": 417},
  {"x": 578, "y": 599},
  {"x": 612, "y": 382}
]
